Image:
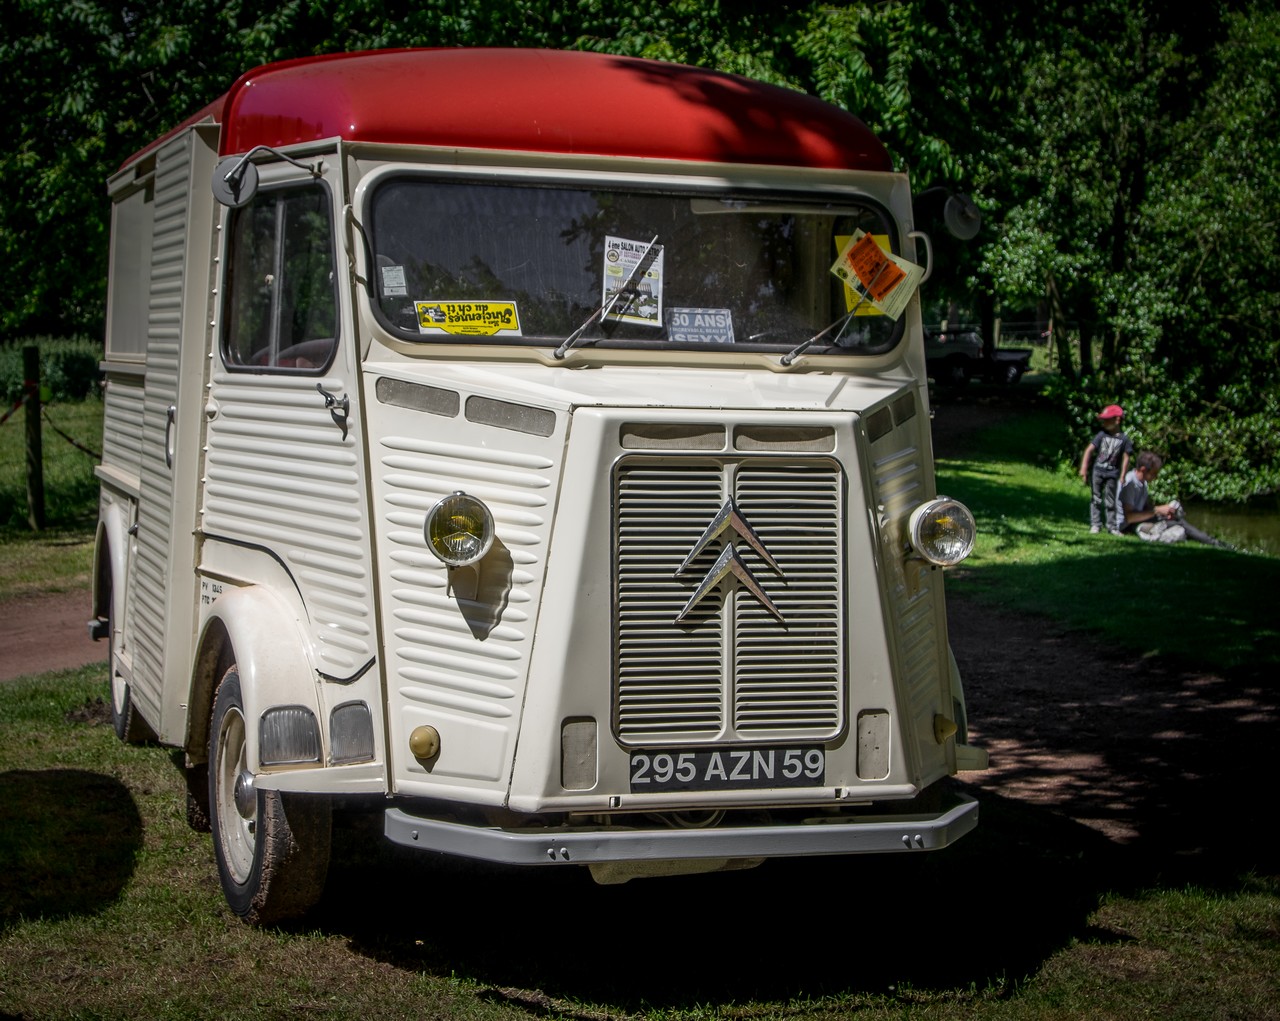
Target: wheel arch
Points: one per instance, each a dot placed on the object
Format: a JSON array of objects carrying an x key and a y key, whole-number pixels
[
  {"x": 256, "y": 630},
  {"x": 110, "y": 557}
]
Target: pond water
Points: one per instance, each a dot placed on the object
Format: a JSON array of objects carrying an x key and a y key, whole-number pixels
[{"x": 1253, "y": 527}]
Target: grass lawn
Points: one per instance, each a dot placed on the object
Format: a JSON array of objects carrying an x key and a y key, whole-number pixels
[
  {"x": 110, "y": 908},
  {"x": 59, "y": 557},
  {"x": 1206, "y": 607}
]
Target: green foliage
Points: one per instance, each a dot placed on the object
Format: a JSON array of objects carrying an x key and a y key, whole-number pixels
[
  {"x": 1141, "y": 207},
  {"x": 873, "y": 60},
  {"x": 68, "y": 369},
  {"x": 1124, "y": 155},
  {"x": 1208, "y": 374}
]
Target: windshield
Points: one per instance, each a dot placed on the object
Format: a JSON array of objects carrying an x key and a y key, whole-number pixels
[{"x": 498, "y": 262}]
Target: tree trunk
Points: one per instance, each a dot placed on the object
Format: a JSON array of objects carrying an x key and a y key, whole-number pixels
[
  {"x": 1110, "y": 345},
  {"x": 1086, "y": 350},
  {"x": 1058, "y": 330}
]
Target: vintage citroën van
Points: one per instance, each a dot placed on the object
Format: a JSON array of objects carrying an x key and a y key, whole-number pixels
[{"x": 534, "y": 446}]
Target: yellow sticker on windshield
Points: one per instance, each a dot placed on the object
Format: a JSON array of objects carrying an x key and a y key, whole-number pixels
[{"x": 468, "y": 318}]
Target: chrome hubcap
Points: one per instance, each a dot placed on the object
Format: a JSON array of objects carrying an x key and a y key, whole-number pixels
[{"x": 246, "y": 795}]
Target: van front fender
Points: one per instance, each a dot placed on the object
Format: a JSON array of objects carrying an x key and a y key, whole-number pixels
[
  {"x": 968, "y": 757},
  {"x": 110, "y": 557},
  {"x": 259, "y": 633}
]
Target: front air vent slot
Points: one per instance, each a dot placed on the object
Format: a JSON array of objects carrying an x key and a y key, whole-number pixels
[
  {"x": 504, "y": 415},
  {"x": 417, "y": 397},
  {"x": 671, "y": 436},
  {"x": 816, "y": 440}
]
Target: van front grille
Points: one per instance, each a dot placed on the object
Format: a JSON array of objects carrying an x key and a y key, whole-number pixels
[{"x": 723, "y": 665}]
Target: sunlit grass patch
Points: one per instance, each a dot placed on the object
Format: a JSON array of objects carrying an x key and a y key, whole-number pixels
[{"x": 1035, "y": 554}]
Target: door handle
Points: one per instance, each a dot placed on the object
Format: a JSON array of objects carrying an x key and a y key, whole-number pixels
[
  {"x": 169, "y": 416},
  {"x": 340, "y": 409}
]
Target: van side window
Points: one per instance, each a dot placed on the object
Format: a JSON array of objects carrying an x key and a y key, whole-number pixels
[{"x": 280, "y": 300}]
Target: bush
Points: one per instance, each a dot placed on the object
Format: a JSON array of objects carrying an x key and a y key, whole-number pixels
[
  {"x": 1226, "y": 448},
  {"x": 68, "y": 368}
]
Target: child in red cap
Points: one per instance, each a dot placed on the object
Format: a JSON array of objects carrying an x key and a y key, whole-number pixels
[{"x": 1113, "y": 450}]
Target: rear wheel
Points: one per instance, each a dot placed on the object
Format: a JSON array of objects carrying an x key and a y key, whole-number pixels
[
  {"x": 955, "y": 372},
  {"x": 1009, "y": 374},
  {"x": 272, "y": 850}
]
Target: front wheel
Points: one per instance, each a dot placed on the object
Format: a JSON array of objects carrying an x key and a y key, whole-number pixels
[{"x": 272, "y": 850}]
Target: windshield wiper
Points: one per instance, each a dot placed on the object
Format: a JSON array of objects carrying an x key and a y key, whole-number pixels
[
  {"x": 628, "y": 288},
  {"x": 804, "y": 345},
  {"x": 842, "y": 322}
]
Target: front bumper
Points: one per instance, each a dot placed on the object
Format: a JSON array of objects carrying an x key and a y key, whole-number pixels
[{"x": 569, "y": 845}]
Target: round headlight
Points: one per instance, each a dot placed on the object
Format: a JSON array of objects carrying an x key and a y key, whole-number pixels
[
  {"x": 942, "y": 531},
  {"x": 459, "y": 530}
]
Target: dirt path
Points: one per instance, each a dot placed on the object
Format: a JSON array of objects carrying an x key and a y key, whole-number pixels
[{"x": 46, "y": 632}]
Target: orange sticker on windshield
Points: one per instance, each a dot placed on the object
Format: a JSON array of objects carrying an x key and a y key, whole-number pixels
[{"x": 874, "y": 277}]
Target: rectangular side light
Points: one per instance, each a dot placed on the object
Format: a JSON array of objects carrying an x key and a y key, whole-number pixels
[
  {"x": 578, "y": 754},
  {"x": 290, "y": 736},
  {"x": 350, "y": 733},
  {"x": 873, "y": 744}
]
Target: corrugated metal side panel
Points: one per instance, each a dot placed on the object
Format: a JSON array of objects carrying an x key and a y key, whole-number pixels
[
  {"x": 122, "y": 424},
  {"x": 446, "y": 651},
  {"x": 148, "y": 611},
  {"x": 280, "y": 476},
  {"x": 898, "y": 468}
]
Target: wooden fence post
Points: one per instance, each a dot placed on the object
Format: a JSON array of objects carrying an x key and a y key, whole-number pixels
[{"x": 35, "y": 448}]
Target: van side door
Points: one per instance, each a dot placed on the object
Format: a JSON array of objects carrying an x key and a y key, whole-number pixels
[{"x": 284, "y": 499}]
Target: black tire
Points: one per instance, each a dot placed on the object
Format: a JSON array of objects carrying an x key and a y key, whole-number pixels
[
  {"x": 1010, "y": 374},
  {"x": 955, "y": 373},
  {"x": 272, "y": 851},
  {"x": 130, "y": 727},
  {"x": 197, "y": 778}
]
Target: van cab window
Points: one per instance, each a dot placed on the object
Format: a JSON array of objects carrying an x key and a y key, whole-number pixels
[
  {"x": 280, "y": 299},
  {"x": 503, "y": 262}
]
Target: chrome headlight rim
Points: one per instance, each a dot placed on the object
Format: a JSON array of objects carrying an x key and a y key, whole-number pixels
[
  {"x": 942, "y": 531},
  {"x": 478, "y": 538}
]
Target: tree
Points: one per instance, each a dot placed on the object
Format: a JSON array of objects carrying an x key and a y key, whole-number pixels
[
  {"x": 1123, "y": 155},
  {"x": 1095, "y": 116},
  {"x": 1206, "y": 370},
  {"x": 87, "y": 84}
]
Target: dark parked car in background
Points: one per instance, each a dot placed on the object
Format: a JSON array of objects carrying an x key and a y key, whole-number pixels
[{"x": 959, "y": 353}]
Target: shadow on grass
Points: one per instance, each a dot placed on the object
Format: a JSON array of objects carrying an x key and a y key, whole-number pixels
[
  {"x": 1200, "y": 606},
  {"x": 68, "y": 842},
  {"x": 988, "y": 910},
  {"x": 1169, "y": 760},
  {"x": 1111, "y": 774}
]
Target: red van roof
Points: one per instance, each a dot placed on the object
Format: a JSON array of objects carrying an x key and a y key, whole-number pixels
[{"x": 539, "y": 101}]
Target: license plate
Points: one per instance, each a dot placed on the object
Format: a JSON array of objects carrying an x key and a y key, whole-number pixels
[{"x": 725, "y": 769}]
